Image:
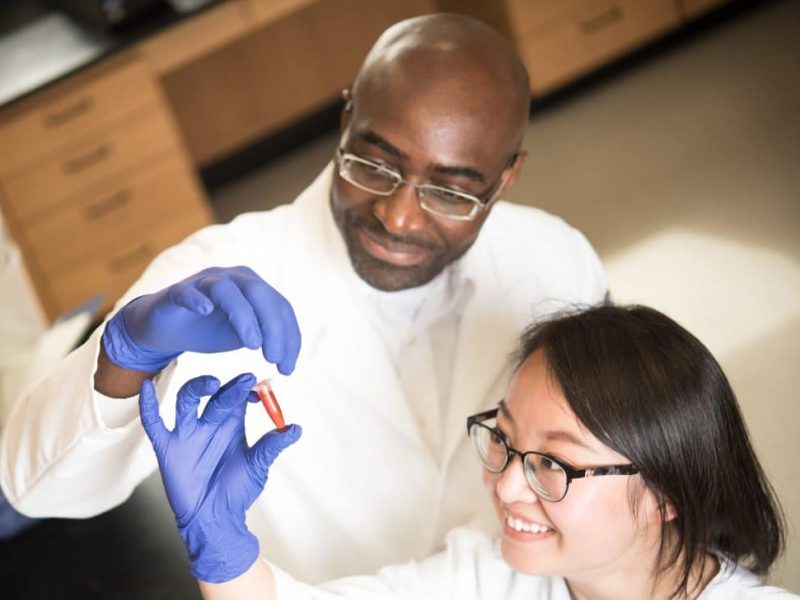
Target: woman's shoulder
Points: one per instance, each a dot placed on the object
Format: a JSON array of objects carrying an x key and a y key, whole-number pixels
[{"x": 734, "y": 582}]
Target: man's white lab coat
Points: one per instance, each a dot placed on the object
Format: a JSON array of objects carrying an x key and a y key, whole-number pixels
[{"x": 362, "y": 488}]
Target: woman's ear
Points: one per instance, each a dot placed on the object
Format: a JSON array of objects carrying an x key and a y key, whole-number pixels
[
  {"x": 669, "y": 511},
  {"x": 658, "y": 509}
]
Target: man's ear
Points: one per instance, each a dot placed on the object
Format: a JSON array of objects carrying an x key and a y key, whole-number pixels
[
  {"x": 512, "y": 172},
  {"x": 347, "y": 109}
]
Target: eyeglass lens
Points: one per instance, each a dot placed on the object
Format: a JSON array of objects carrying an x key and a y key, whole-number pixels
[
  {"x": 372, "y": 177},
  {"x": 546, "y": 477},
  {"x": 376, "y": 179}
]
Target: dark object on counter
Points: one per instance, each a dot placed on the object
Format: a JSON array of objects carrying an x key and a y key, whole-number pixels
[{"x": 109, "y": 14}]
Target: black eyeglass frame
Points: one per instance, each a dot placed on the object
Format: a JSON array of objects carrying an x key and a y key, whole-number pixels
[
  {"x": 571, "y": 472},
  {"x": 479, "y": 202}
]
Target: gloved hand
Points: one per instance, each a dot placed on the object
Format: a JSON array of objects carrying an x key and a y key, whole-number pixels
[
  {"x": 210, "y": 475},
  {"x": 215, "y": 310}
]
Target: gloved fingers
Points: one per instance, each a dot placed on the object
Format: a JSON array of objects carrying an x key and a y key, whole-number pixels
[
  {"x": 184, "y": 294},
  {"x": 266, "y": 450},
  {"x": 293, "y": 339},
  {"x": 230, "y": 396},
  {"x": 279, "y": 329},
  {"x": 151, "y": 420},
  {"x": 189, "y": 399},
  {"x": 229, "y": 298}
]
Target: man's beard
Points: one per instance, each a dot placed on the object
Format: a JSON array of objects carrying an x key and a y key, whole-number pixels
[{"x": 382, "y": 275}]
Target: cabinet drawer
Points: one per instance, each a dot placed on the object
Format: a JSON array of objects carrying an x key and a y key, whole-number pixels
[
  {"x": 95, "y": 160},
  {"x": 598, "y": 31},
  {"x": 526, "y": 15},
  {"x": 165, "y": 188},
  {"x": 114, "y": 270},
  {"x": 85, "y": 103}
]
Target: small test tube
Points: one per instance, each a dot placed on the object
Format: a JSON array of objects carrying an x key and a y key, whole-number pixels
[{"x": 267, "y": 397}]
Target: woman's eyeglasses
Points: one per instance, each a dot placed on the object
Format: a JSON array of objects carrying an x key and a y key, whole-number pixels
[{"x": 548, "y": 477}]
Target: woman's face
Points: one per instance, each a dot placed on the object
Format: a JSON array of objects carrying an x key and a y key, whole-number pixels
[{"x": 592, "y": 531}]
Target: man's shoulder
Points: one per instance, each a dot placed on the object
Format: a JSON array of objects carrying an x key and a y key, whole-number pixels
[
  {"x": 516, "y": 220},
  {"x": 533, "y": 237},
  {"x": 540, "y": 255}
]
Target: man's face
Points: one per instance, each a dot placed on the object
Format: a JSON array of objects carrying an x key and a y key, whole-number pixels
[{"x": 427, "y": 137}]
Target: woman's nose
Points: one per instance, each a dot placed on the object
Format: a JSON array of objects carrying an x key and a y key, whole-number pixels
[
  {"x": 512, "y": 486},
  {"x": 400, "y": 212}
]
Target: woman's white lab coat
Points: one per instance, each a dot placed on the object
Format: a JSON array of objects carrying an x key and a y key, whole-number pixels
[{"x": 471, "y": 568}]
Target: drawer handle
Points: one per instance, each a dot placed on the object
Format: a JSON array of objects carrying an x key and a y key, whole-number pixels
[
  {"x": 76, "y": 165},
  {"x": 69, "y": 113},
  {"x": 607, "y": 18},
  {"x": 108, "y": 204},
  {"x": 123, "y": 262}
]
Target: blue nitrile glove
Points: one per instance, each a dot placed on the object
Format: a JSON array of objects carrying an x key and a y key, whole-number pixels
[
  {"x": 210, "y": 475},
  {"x": 215, "y": 310}
]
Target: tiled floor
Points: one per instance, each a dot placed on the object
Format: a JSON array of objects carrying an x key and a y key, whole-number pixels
[{"x": 684, "y": 172}]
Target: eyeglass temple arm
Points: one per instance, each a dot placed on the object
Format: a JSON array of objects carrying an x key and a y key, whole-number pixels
[{"x": 480, "y": 417}]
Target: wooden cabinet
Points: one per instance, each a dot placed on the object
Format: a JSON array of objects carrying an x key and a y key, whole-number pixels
[
  {"x": 560, "y": 40},
  {"x": 94, "y": 181}
]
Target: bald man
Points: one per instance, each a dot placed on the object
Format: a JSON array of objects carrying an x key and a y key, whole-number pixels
[{"x": 410, "y": 280}]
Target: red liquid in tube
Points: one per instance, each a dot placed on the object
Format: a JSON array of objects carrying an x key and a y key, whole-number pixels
[{"x": 264, "y": 391}]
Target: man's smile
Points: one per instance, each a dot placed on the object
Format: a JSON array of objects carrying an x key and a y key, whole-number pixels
[{"x": 385, "y": 249}]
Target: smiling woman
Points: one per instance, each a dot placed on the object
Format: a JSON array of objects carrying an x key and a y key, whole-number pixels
[
  {"x": 635, "y": 479},
  {"x": 633, "y": 389}
]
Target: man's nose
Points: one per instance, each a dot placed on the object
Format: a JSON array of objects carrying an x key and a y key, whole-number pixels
[
  {"x": 512, "y": 486},
  {"x": 400, "y": 212}
]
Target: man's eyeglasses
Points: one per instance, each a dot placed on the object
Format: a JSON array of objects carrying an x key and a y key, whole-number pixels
[
  {"x": 548, "y": 477},
  {"x": 383, "y": 181}
]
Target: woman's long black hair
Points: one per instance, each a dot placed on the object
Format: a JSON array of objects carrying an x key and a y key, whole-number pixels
[{"x": 651, "y": 391}]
